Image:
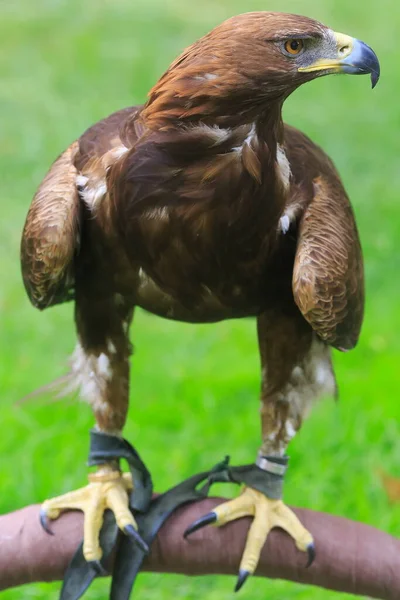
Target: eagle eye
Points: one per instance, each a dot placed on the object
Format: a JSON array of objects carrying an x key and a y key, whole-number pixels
[{"x": 293, "y": 47}]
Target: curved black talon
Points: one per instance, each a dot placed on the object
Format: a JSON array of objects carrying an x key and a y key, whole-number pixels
[
  {"x": 44, "y": 521},
  {"x": 311, "y": 554},
  {"x": 98, "y": 567},
  {"x": 202, "y": 522},
  {"x": 131, "y": 532},
  {"x": 241, "y": 580}
]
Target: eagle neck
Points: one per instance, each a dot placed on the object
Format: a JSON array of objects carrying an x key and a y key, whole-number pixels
[
  {"x": 269, "y": 127},
  {"x": 269, "y": 133}
]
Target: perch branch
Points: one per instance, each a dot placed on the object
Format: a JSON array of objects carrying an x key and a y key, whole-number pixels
[{"x": 351, "y": 557}]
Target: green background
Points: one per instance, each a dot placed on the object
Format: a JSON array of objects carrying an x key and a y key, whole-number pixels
[{"x": 194, "y": 396}]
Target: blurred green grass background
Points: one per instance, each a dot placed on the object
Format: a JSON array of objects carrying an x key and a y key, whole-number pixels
[{"x": 65, "y": 64}]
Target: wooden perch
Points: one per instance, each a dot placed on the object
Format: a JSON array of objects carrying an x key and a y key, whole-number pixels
[{"x": 351, "y": 557}]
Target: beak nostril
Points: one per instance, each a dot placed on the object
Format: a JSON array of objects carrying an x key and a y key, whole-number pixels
[{"x": 344, "y": 50}]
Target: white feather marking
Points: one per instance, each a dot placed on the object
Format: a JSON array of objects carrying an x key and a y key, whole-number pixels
[
  {"x": 248, "y": 139},
  {"x": 93, "y": 185},
  {"x": 309, "y": 381},
  {"x": 115, "y": 432},
  {"x": 100, "y": 406},
  {"x": 112, "y": 156},
  {"x": 251, "y": 135},
  {"x": 290, "y": 430},
  {"x": 81, "y": 180},
  {"x": 111, "y": 347},
  {"x": 218, "y": 133},
  {"x": 324, "y": 378},
  {"x": 288, "y": 217},
  {"x": 160, "y": 213},
  {"x": 97, "y": 193},
  {"x": 90, "y": 375},
  {"x": 284, "y": 223},
  {"x": 206, "y": 77},
  {"x": 119, "y": 151},
  {"x": 93, "y": 192},
  {"x": 283, "y": 166},
  {"x": 103, "y": 366},
  {"x": 143, "y": 276}
]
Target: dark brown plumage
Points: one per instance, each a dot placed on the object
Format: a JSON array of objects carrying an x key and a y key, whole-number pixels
[{"x": 200, "y": 206}]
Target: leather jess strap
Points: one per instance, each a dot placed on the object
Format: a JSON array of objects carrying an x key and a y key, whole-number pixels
[{"x": 150, "y": 513}]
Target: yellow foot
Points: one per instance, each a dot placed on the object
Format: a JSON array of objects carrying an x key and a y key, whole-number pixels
[
  {"x": 108, "y": 489},
  {"x": 267, "y": 514}
]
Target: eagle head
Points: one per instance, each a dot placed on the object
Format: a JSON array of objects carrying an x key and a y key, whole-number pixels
[{"x": 249, "y": 62}]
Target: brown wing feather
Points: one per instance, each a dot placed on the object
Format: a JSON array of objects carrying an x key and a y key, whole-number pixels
[
  {"x": 328, "y": 281},
  {"x": 51, "y": 234}
]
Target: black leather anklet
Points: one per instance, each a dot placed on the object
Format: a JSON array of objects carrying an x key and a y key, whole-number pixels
[
  {"x": 268, "y": 481},
  {"x": 105, "y": 447}
]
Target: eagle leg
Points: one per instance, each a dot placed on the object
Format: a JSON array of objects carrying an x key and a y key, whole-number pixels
[
  {"x": 100, "y": 370},
  {"x": 296, "y": 370}
]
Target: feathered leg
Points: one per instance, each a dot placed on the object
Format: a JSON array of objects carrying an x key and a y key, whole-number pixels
[
  {"x": 100, "y": 368},
  {"x": 296, "y": 370}
]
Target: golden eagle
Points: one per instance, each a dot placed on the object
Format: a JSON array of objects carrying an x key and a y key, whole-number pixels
[{"x": 198, "y": 206}]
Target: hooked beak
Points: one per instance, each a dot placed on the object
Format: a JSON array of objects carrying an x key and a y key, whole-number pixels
[{"x": 350, "y": 56}]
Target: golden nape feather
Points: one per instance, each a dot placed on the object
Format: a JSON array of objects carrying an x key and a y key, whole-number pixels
[{"x": 200, "y": 206}]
